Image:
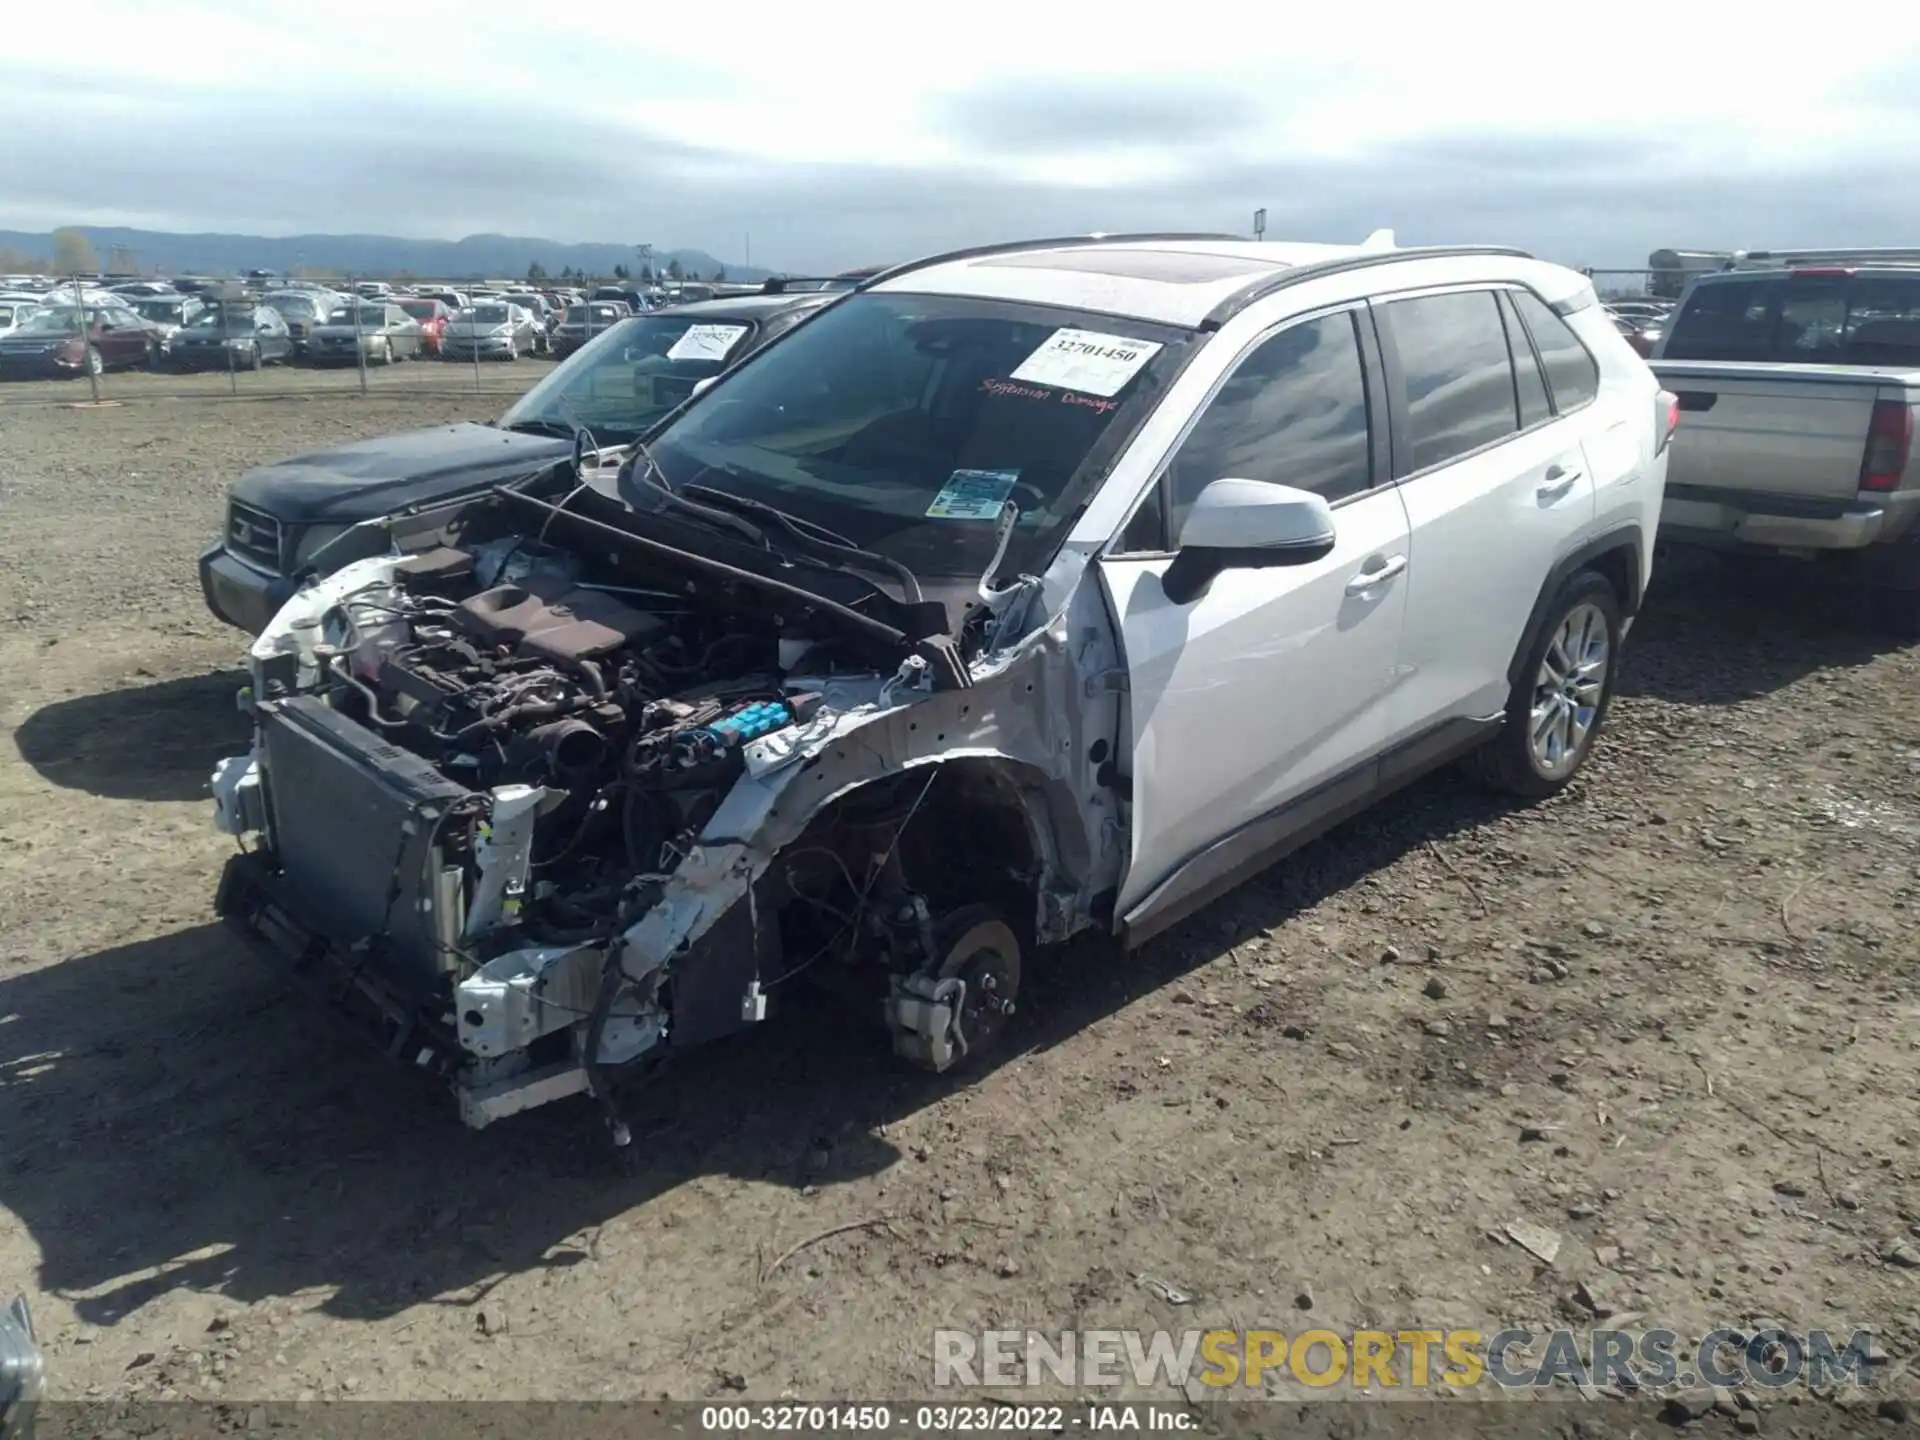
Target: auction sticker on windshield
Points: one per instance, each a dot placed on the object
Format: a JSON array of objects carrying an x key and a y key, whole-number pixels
[
  {"x": 706, "y": 342},
  {"x": 1087, "y": 361},
  {"x": 973, "y": 495}
]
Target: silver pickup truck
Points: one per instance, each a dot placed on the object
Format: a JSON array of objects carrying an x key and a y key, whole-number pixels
[{"x": 1797, "y": 390}]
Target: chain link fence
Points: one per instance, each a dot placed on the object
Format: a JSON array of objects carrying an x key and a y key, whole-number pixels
[
  {"x": 81, "y": 343},
  {"x": 1626, "y": 284}
]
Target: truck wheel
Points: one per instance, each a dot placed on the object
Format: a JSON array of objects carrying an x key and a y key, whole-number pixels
[
  {"x": 1898, "y": 612},
  {"x": 1560, "y": 701}
]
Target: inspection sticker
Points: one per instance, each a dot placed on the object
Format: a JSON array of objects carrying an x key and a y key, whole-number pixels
[
  {"x": 1087, "y": 361},
  {"x": 973, "y": 495},
  {"x": 706, "y": 342}
]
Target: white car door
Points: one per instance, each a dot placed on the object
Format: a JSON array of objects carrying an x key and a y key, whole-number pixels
[
  {"x": 1497, "y": 489},
  {"x": 1274, "y": 682}
]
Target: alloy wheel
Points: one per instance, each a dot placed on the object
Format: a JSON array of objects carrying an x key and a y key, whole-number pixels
[{"x": 1568, "y": 689}]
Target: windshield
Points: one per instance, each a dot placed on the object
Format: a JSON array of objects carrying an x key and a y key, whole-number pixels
[
  {"x": 1805, "y": 320},
  {"x": 602, "y": 314},
  {"x": 292, "y": 304},
  {"x": 166, "y": 311},
  {"x": 486, "y": 315},
  {"x": 372, "y": 317},
  {"x": 49, "y": 322},
  {"x": 211, "y": 319},
  {"x": 421, "y": 309},
  {"x": 628, "y": 376},
  {"x": 905, "y": 422}
]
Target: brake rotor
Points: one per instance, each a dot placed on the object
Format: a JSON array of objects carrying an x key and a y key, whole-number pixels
[{"x": 984, "y": 956}]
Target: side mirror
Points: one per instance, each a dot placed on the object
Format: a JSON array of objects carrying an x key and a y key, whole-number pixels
[{"x": 1247, "y": 525}]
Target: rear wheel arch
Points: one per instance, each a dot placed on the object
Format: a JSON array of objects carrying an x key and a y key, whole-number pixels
[{"x": 1618, "y": 557}]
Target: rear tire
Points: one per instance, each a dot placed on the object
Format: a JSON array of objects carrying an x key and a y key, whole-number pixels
[{"x": 1560, "y": 701}]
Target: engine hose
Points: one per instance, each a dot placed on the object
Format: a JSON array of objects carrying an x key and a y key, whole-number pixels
[
  {"x": 590, "y": 672},
  {"x": 524, "y": 710},
  {"x": 336, "y": 668}
]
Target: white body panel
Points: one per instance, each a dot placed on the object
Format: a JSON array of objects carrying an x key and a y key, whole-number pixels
[{"x": 1271, "y": 683}]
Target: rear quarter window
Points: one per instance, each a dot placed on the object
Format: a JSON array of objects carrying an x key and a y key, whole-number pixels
[{"x": 1573, "y": 376}]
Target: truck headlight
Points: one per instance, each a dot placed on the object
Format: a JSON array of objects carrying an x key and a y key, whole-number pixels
[{"x": 312, "y": 539}]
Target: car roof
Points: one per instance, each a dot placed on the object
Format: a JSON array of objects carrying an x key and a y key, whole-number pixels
[{"x": 1175, "y": 281}]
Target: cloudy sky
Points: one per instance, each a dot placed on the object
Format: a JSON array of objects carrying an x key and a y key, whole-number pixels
[{"x": 834, "y": 133}]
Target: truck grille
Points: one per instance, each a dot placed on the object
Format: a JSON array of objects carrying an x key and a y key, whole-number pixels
[{"x": 253, "y": 535}]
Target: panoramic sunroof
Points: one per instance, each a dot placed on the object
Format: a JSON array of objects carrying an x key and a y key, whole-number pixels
[{"x": 1173, "y": 267}]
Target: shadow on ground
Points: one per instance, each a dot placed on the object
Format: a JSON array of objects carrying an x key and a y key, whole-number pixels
[
  {"x": 1718, "y": 630},
  {"x": 148, "y": 742},
  {"x": 171, "y": 1117}
]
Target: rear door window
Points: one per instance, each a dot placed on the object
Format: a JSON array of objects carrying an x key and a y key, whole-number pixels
[{"x": 1456, "y": 372}]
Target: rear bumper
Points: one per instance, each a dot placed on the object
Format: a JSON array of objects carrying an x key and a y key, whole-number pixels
[
  {"x": 1873, "y": 541},
  {"x": 237, "y": 593},
  {"x": 1701, "y": 514}
]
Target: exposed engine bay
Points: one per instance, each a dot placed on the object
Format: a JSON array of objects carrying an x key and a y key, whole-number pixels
[{"x": 534, "y": 818}]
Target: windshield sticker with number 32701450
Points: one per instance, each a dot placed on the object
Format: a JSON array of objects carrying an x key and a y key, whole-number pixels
[{"x": 1086, "y": 360}]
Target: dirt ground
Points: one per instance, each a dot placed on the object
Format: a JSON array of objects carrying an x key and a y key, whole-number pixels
[{"x": 1670, "y": 1016}]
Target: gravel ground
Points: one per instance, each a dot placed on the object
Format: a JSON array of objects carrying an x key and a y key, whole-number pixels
[{"x": 1669, "y": 1016}]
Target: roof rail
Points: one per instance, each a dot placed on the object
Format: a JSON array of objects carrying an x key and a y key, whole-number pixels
[
  {"x": 1012, "y": 247},
  {"x": 1789, "y": 259},
  {"x": 1358, "y": 260},
  {"x": 783, "y": 284}
]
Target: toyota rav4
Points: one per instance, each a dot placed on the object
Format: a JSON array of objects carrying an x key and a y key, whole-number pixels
[{"x": 1027, "y": 590}]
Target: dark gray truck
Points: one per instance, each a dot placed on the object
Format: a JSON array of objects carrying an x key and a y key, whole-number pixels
[{"x": 1798, "y": 387}]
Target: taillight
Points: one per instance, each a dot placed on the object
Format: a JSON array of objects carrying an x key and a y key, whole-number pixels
[
  {"x": 1889, "y": 445},
  {"x": 1666, "y": 418}
]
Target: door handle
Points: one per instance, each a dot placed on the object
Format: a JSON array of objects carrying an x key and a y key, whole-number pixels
[
  {"x": 1368, "y": 579},
  {"x": 1558, "y": 482}
]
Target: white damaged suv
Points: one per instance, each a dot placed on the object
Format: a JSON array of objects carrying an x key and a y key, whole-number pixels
[{"x": 1017, "y": 592}]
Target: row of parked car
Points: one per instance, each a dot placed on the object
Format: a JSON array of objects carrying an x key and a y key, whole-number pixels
[
  {"x": 69, "y": 330},
  {"x": 1641, "y": 321}
]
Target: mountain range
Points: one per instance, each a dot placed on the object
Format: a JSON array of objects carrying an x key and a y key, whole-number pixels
[{"x": 475, "y": 257}]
